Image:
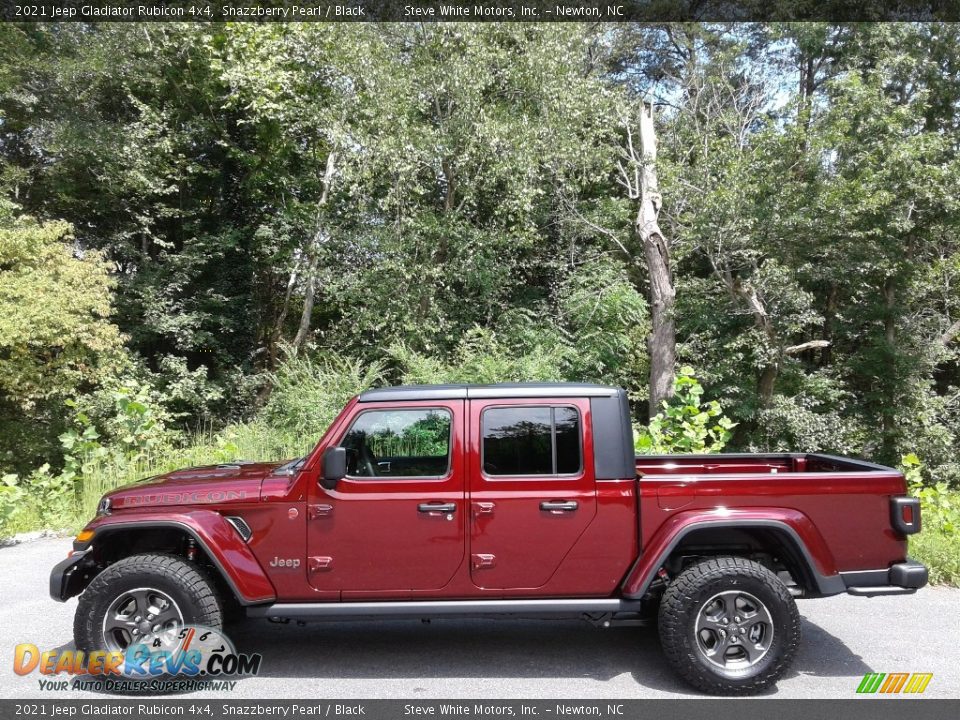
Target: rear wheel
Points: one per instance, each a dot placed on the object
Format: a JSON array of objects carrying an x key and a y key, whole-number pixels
[
  {"x": 729, "y": 626},
  {"x": 145, "y": 599}
]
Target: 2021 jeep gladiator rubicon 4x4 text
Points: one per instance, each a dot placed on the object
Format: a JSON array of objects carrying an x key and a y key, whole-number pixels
[{"x": 525, "y": 499}]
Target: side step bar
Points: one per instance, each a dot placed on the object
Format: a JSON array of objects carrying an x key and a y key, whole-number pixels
[{"x": 442, "y": 608}]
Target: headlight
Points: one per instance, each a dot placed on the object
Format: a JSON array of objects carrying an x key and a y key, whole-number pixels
[{"x": 104, "y": 507}]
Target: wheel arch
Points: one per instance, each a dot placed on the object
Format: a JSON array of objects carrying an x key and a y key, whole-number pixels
[
  {"x": 721, "y": 535},
  {"x": 230, "y": 561}
]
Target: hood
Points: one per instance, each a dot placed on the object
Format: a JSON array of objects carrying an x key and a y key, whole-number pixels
[{"x": 209, "y": 485}]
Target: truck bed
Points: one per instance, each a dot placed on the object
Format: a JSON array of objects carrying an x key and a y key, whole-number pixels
[
  {"x": 846, "y": 503},
  {"x": 752, "y": 464}
]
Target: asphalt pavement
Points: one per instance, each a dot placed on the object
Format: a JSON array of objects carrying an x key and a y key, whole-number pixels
[{"x": 844, "y": 638}]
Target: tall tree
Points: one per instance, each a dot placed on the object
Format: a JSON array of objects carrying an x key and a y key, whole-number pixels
[{"x": 639, "y": 178}]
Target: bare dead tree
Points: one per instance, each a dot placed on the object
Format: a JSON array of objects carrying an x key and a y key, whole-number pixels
[{"x": 638, "y": 175}]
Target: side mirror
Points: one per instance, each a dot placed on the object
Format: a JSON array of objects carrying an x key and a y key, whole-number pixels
[{"x": 334, "y": 467}]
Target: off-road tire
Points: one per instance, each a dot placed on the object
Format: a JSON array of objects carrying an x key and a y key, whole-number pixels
[
  {"x": 187, "y": 584},
  {"x": 687, "y": 595}
]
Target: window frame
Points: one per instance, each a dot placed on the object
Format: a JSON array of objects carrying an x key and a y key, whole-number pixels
[
  {"x": 553, "y": 443},
  {"x": 400, "y": 478}
]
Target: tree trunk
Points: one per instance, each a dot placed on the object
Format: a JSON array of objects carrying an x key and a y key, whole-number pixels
[
  {"x": 313, "y": 252},
  {"x": 308, "y": 299},
  {"x": 890, "y": 338},
  {"x": 829, "y": 317},
  {"x": 663, "y": 337},
  {"x": 768, "y": 376}
]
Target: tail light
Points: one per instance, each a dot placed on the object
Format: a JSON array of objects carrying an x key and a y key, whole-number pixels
[{"x": 905, "y": 515}]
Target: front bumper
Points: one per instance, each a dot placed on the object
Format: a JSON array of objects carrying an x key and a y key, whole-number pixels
[
  {"x": 69, "y": 576},
  {"x": 905, "y": 577}
]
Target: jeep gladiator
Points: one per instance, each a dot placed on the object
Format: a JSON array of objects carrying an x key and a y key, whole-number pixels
[{"x": 514, "y": 499}]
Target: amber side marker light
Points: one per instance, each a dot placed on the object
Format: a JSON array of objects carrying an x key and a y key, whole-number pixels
[{"x": 83, "y": 536}]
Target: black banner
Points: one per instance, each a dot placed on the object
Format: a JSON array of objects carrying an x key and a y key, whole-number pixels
[
  {"x": 92, "y": 11},
  {"x": 703, "y": 709}
]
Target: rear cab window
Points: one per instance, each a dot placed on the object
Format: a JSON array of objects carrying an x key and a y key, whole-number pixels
[{"x": 531, "y": 441}]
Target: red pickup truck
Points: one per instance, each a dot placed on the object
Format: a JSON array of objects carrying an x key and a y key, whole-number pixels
[{"x": 515, "y": 499}]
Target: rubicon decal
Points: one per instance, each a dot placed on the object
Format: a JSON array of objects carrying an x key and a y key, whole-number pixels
[
  {"x": 196, "y": 497},
  {"x": 892, "y": 683}
]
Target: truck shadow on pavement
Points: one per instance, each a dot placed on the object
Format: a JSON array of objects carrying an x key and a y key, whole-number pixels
[{"x": 493, "y": 649}]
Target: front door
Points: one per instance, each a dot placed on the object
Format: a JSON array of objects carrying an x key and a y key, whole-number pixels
[
  {"x": 532, "y": 489},
  {"x": 395, "y": 523}
]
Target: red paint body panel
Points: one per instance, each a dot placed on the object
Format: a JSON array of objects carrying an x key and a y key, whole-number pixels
[
  {"x": 527, "y": 544},
  {"x": 849, "y": 509},
  {"x": 366, "y": 539},
  {"x": 217, "y": 536},
  {"x": 374, "y": 533}
]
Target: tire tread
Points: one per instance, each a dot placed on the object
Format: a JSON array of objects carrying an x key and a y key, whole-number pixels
[
  {"x": 191, "y": 579},
  {"x": 675, "y": 606}
]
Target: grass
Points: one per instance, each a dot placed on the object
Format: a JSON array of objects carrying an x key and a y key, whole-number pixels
[
  {"x": 252, "y": 441},
  {"x": 940, "y": 552}
]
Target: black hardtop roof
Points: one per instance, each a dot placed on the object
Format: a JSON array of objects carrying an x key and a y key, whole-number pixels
[{"x": 499, "y": 390}]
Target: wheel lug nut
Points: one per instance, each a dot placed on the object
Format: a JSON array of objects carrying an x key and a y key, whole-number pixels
[
  {"x": 137, "y": 619},
  {"x": 726, "y": 620},
  {"x": 736, "y": 619}
]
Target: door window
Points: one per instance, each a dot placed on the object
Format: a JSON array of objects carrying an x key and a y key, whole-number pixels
[
  {"x": 399, "y": 443},
  {"x": 531, "y": 441}
]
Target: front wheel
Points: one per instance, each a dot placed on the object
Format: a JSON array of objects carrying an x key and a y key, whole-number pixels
[
  {"x": 145, "y": 599},
  {"x": 729, "y": 626}
]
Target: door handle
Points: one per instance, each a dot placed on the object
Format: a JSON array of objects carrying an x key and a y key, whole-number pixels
[
  {"x": 437, "y": 507},
  {"x": 559, "y": 506}
]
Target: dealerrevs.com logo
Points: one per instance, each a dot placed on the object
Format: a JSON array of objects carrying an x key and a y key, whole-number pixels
[
  {"x": 195, "y": 658},
  {"x": 893, "y": 683}
]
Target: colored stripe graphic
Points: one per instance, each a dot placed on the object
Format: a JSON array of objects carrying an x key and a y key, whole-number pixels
[
  {"x": 894, "y": 683},
  {"x": 918, "y": 683},
  {"x": 870, "y": 683}
]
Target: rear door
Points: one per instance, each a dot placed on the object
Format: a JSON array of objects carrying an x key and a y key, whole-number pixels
[
  {"x": 532, "y": 488},
  {"x": 395, "y": 523}
]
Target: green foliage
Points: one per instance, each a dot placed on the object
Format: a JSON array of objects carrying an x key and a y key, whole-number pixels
[
  {"x": 308, "y": 392},
  {"x": 56, "y": 338},
  {"x": 938, "y": 543},
  {"x": 488, "y": 356},
  {"x": 11, "y": 495},
  {"x": 248, "y": 441},
  {"x": 939, "y": 503},
  {"x": 940, "y": 552},
  {"x": 687, "y": 423},
  {"x": 134, "y": 425}
]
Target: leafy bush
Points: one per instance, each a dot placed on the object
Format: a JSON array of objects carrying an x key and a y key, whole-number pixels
[
  {"x": 939, "y": 504},
  {"x": 308, "y": 392},
  {"x": 135, "y": 424},
  {"x": 606, "y": 316},
  {"x": 10, "y": 496},
  {"x": 521, "y": 351},
  {"x": 938, "y": 543},
  {"x": 686, "y": 424}
]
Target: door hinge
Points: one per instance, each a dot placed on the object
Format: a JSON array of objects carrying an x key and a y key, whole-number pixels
[
  {"x": 484, "y": 560},
  {"x": 319, "y": 563},
  {"x": 319, "y": 511}
]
